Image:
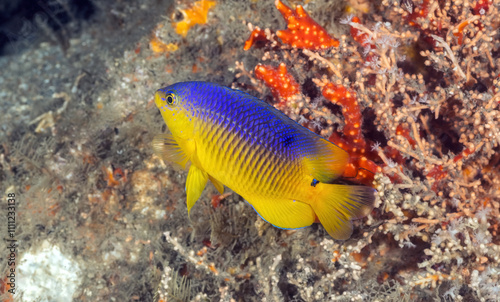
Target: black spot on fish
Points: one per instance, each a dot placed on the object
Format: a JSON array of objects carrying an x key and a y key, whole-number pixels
[
  {"x": 288, "y": 140},
  {"x": 314, "y": 183}
]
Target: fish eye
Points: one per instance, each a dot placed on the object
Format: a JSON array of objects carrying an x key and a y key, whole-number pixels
[{"x": 170, "y": 99}]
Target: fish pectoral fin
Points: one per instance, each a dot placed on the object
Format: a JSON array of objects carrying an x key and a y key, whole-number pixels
[
  {"x": 284, "y": 213},
  {"x": 196, "y": 181},
  {"x": 217, "y": 184},
  {"x": 166, "y": 147}
]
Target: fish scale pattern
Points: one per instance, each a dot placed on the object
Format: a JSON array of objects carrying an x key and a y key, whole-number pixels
[{"x": 253, "y": 138}]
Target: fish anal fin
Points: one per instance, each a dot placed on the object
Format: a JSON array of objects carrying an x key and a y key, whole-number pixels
[
  {"x": 166, "y": 147},
  {"x": 284, "y": 213},
  {"x": 195, "y": 184},
  {"x": 217, "y": 184},
  {"x": 337, "y": 205}
]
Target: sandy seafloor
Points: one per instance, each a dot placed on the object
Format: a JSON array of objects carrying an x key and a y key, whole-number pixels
[{"x": 98, "y": 216}]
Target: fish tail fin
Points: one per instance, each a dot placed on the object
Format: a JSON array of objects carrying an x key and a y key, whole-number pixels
[{"x": 336, "y": 205}]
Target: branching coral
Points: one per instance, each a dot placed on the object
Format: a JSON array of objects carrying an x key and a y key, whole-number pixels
[
  {"x": 433, "y": 109},
  {"x": 303, "y": 32},
  {"x": 282, "y": 84}
]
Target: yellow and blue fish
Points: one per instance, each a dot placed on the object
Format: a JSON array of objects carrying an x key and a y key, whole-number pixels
[{"x": 282, "y": 169}]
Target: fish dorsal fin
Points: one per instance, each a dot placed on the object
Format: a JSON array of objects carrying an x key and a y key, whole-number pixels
[
  {"x": 166, "y": 147},
  {"x": 217, "y": 184},
  {"x": 196, "y": 181},
  {"x": 326, "y": 161}
]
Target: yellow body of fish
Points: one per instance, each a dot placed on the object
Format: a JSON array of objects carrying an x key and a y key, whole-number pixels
[{"x": 281, "y": 168}]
